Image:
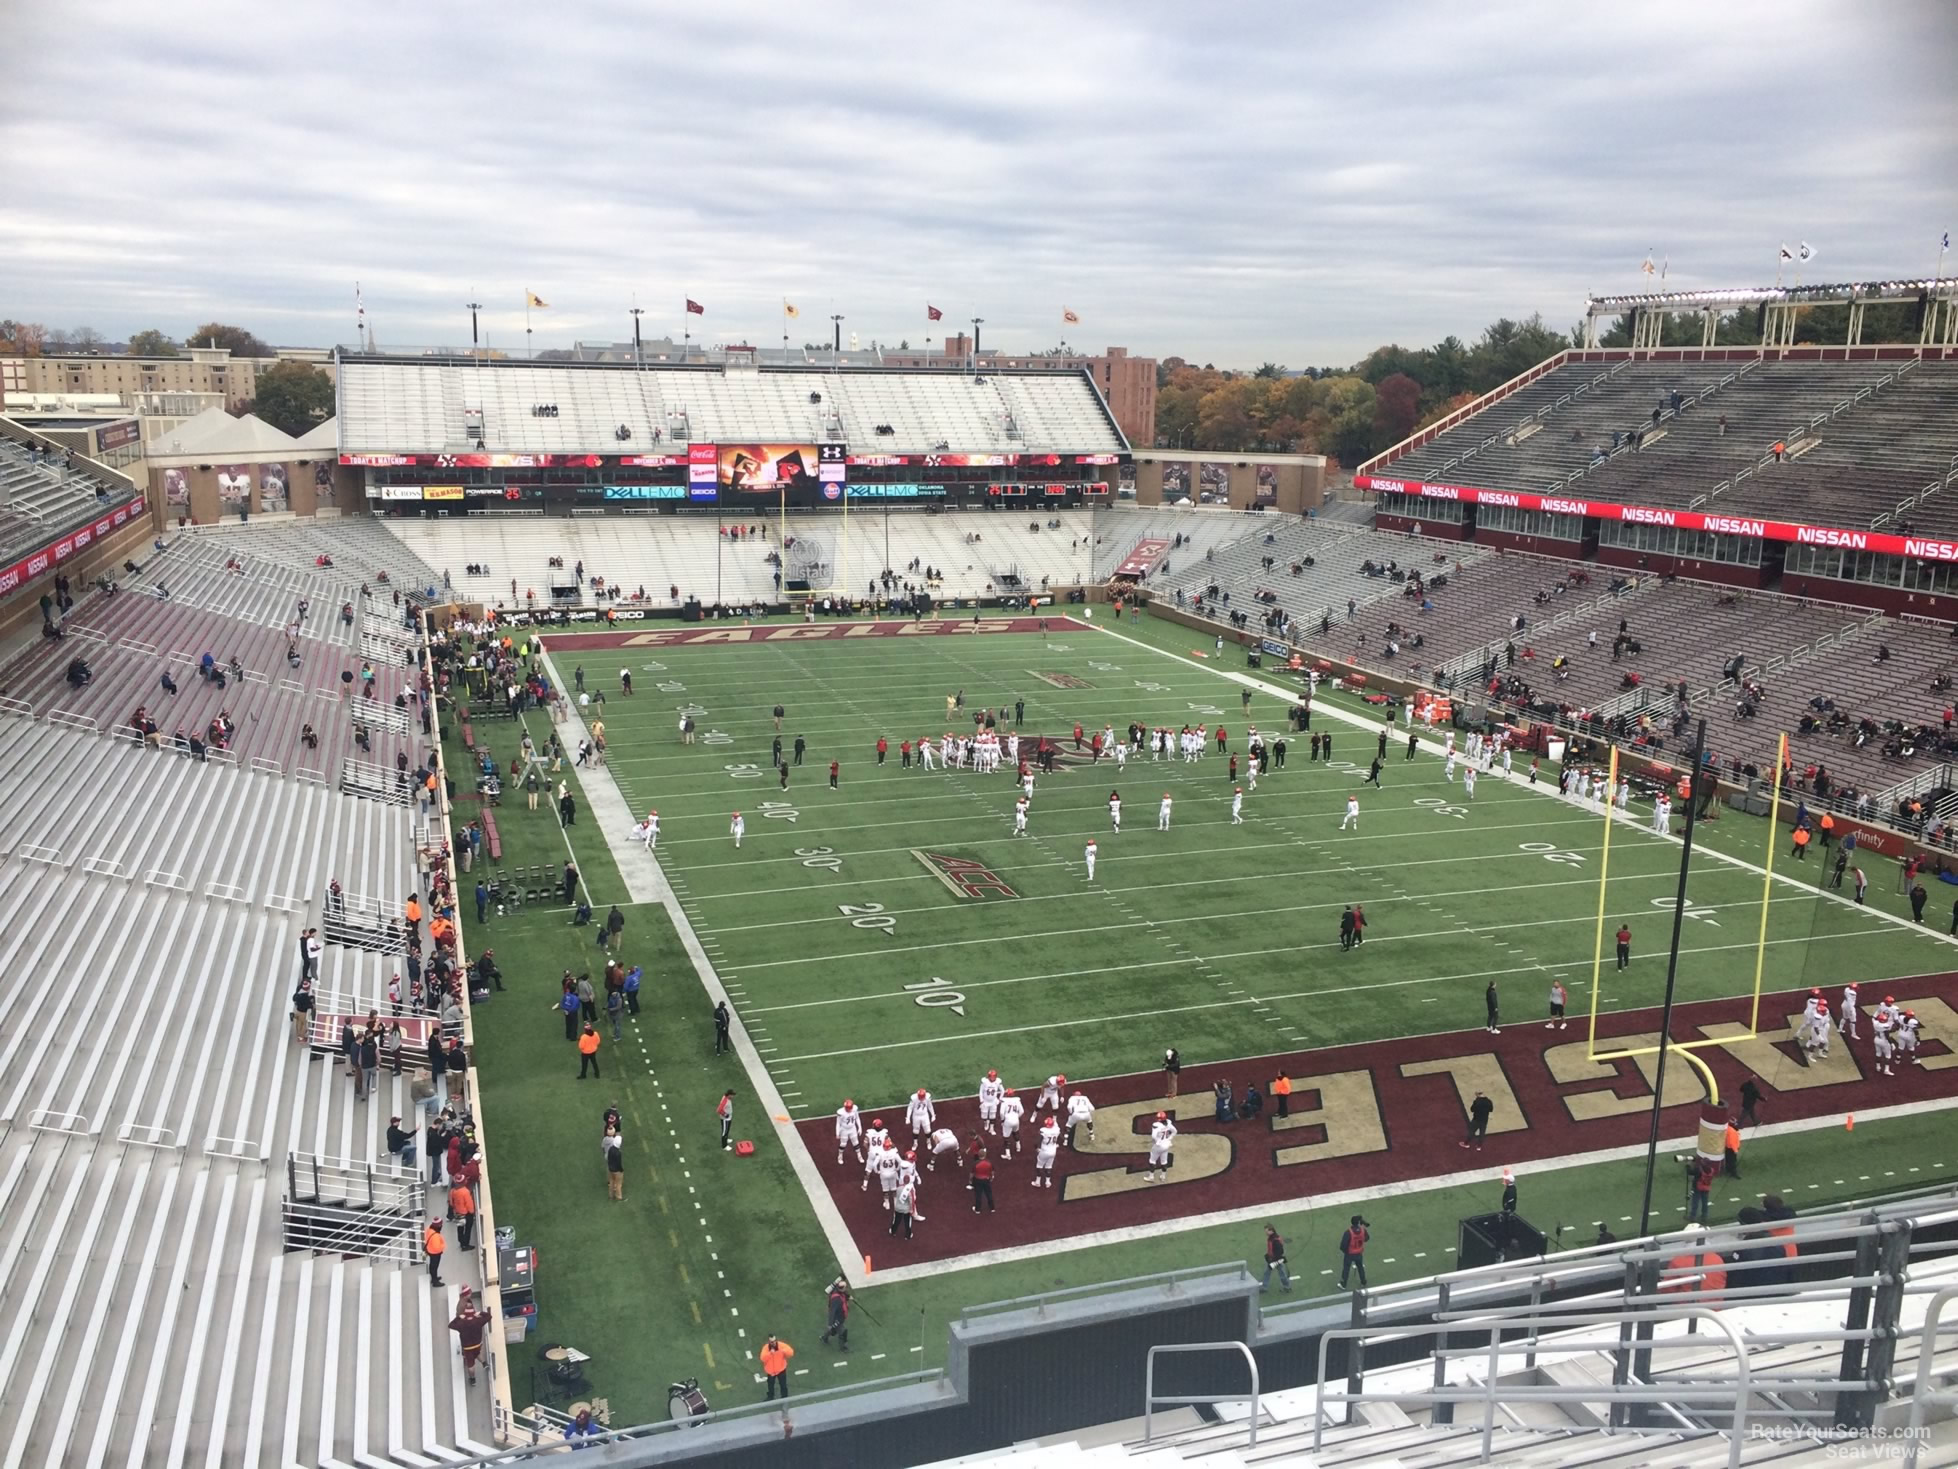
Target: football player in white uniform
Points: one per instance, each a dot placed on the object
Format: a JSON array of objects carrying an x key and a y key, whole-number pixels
[
  {"x": 1883, "y": 1024},
  {"x": 849, "y": 1130},
  {"x": 1237, "y": 806},
  {"x": 1020, "y": 817},
  {"x": 1115, "y": 811},
  {"x": 907, "y": 1169},
  {"x": 1846, "y": 1016},
  {"x": 920, "y": 1114},
  {"x": 886, "y": 1163},
  {"x": 1043, "y": 1158},
  {"x": 943, "y": 1141},
  {"x": 1080, "y": 1112},
  {"x": 874, "y": 1141},
  {"x": 737, "y": 828},
  {"x": 1907, "y": 1025},
  {"x": 1162, "y": 1138},
  {"x": 1088, "y": 855},
  {"x": 1162, "y": 814},
  {"x": 1011, "y": 1110},
  {"x": 1050, "y": 1094},
  {"x": 990, "y": 1091}
]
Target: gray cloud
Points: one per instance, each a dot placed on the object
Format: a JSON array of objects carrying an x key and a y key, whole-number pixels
[{"x": 1265, "y": 180}]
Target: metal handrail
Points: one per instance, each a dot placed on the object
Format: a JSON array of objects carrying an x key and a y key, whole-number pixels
[
  {"x": 1920, "y": 1398},
  {"x": 1149, "y": 1398},
  {"x": 1532, "y": 1323}
]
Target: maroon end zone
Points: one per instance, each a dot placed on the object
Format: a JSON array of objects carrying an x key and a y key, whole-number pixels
[
  {"x": 808, "y": 632},
  {"x": 1382, "y": 1113}
]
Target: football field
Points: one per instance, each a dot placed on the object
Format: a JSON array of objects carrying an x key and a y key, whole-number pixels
[{"x": 893, "y": 933}]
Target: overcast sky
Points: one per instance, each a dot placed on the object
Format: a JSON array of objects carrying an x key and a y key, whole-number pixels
[{"x": 1233, "y": 183}]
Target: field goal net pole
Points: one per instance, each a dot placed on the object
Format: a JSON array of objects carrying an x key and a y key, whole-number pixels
[
  {"x": 1684, "y": 1049},
  {"x": 1767, "y": 880},
  {"x": 1672, "y": 979}
]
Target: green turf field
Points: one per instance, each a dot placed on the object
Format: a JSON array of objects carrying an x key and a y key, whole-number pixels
[{"x": 857, "y": 971}]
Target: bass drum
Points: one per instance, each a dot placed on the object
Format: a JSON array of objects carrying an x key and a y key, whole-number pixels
[{"x": 685, "y": 1400}]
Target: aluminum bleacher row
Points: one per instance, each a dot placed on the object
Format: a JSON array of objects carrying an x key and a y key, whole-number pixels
[
  {"x": 152, "y": 1116},
  {"x": 408, "y": 405},
  {"x": 1885, "y": 434},
  {"x": 1845, "y": 669},
  {"x": 130, "y": 640},
  {"x": 1862, "y": 438},
  {"x": 1339, "y": 549},
  {"x": 40, "y": 497},
  {"x": 360, "y": 548},
  {"x": 660, "y": 552}
]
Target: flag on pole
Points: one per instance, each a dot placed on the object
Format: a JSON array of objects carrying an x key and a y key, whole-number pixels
[
  {"x": 531, "y": 298},
  {"x": 1648, "y": 268},
  {"x": 788, "y": 310},
  {"x": 1945, "y": 243},
  {"x": 1787, "y": 254},
  {"x": 1805, "y": 252},
  {"x": 1069, "y": 318},
  {"x": 1662, "y": 267},
  {"x": 694, "y": 308},
  {"x": 932, "y": 313}
]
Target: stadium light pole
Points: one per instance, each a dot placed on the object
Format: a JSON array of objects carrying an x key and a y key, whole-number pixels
[
  {"x": 977, "y": 322},
  {"x": 1697, "y": 769},
  {"x": 475, "y": 341},
  {"x": 836, "y": 338},
  {"x": 636, "y": 313}
]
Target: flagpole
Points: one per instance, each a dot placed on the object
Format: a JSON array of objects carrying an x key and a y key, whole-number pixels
[
  {"x": 686, "y": 327},
  {"x": 528, "y": 351}
]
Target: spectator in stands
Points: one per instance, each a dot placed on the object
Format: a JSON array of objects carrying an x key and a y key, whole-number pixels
[
  {"x": 401, "y": 1143},
  {"x": 302, "y": 1012},
  {"x": 79, "y": 673}
]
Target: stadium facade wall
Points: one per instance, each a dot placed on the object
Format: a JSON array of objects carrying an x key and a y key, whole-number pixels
[
  {"x": 1658, "y": 564},
  {"x": 192, "y": 491},
  {"x": 1441, "y": 530},
  {"x": 1871, "y": 594},
  {"x": 1297, "y": 482}
]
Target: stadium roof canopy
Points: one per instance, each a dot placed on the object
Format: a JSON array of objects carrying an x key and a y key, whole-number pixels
[
  {"x": 407, "y": 405},
  {"x": 1780, "y": 306}
]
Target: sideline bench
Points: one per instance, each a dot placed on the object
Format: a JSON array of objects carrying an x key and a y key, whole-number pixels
[{"x": 492, "y": 843}]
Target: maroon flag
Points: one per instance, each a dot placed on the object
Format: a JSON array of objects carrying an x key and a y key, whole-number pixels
[
  {"x": 694, "y": 308},
  {"x": 932, "y": 313}
]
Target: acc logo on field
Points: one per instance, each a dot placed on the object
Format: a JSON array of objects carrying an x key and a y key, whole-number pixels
[{"x": 964, "y": 876}]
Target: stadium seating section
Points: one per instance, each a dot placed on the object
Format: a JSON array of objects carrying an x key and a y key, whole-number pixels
[
  {"x": 1861, "y": 439},
  {"x": 161, "y": 1115},
  {"x": 44, "y": 494},
  {"x": 412, "y": 407}
]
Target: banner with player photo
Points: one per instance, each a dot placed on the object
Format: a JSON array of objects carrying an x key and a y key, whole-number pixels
[
  {"x": 272, "y": 497},
  {"x": 235, "y": 484},
  {"x": 1267, "y": 493},
  {"x": 176, "y": 487},
  {"x": 1176, "y": 480},
  {"x": 1213, "y": 482}
]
